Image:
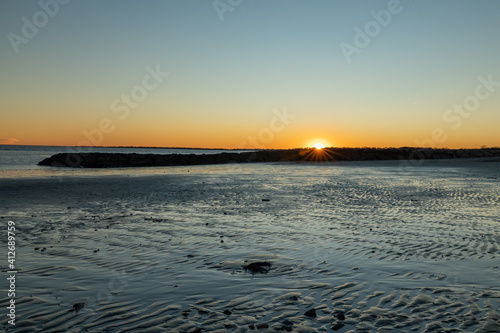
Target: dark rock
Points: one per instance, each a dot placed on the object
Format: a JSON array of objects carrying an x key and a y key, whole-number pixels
[
  {"x": 227, "y": 312},
  {"x": 340, "y": 315},
  {"x": 337, "y": 326},
  {"x": 258, "y": 267},
  {"x": 107, "y": 160},
  {"x": 78, "y": 306},
  {"x": 261, "y": 326},
  {"x": 311, "y": 313},
  {"x": 196, "y": 330}
]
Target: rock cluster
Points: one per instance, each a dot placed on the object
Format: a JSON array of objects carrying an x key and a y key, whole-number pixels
[{"x": 108, "y": 160}]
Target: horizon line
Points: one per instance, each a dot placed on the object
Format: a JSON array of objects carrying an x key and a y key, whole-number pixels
[{"x": 241, "y": 149}]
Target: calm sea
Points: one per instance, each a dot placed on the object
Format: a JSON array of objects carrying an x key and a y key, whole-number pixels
[{"x": 21, "y": 161}]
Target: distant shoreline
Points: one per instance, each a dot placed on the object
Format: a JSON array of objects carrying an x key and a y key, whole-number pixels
[
  {"x": 112, "y": 160},
  {"x": 242, "y": 149}
]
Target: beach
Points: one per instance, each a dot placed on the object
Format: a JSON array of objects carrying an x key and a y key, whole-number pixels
[
  {"x": 250, "y": 166},
  {"x": 351, "y": 246}
]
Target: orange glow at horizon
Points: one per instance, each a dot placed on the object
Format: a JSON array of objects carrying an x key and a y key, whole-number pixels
[
  {"x": 319, "y": 143},
  {"x": 222, "y": 135}
]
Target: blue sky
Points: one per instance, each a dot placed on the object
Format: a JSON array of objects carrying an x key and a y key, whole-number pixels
[{"x": 226, "y": 76}]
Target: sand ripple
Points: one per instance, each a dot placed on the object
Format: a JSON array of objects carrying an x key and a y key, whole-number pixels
[{"x": 352, "y": 249}]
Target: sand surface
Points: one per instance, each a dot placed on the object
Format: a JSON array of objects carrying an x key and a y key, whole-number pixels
[{"x": 369, "y": 246}]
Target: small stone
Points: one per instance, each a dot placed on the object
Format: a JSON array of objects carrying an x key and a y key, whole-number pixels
[
  {"x": 261, "y": 326},
  {"x": 196, "y": 330},
  {"x": 310, "y": 313},
  {"x": 185, "y": 313},
  {"x": 78, "y": 306},
  {"x": 227, "y": 312},
  {"x": 258, "y": 267},
  {"x": 337, "y": 326},
  {"x": 340, "y": 315}
]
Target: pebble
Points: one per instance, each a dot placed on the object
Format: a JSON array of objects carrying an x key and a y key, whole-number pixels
[
  {"x": 310, "y": 313},
  {"x": 337, "y": 326},
  {"x": 78, "y": 306},
  {"x": 340, "y": 315}
]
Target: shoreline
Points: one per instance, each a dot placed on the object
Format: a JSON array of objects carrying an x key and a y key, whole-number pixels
[{"x": 113, "y": 160}]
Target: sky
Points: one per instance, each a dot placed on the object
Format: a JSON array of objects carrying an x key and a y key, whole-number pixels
[{"x": 250, "y": 73}]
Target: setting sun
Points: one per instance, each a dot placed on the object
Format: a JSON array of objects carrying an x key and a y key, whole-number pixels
[{"x": 319, "y": 145}]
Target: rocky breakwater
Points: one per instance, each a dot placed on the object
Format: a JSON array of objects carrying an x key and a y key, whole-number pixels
[{"x": 109, "y": 160}]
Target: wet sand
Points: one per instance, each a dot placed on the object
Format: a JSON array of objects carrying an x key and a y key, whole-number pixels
[{"x": 353, "y": 247}]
